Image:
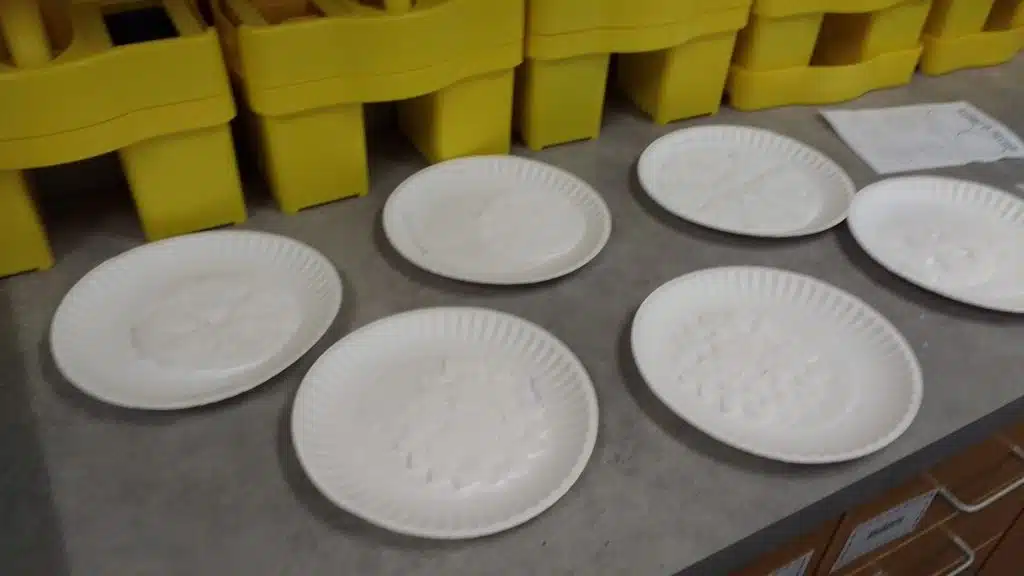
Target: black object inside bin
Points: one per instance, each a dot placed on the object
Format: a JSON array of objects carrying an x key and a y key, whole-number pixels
[{"x": 141, "y": 25}]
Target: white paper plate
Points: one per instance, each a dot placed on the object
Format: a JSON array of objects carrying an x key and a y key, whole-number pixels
[
  {"x": 745, "y": 181},
  {"x": 497, "y": 220},
  {"x": 194, "y": 319},
  {"x": 446, "y": 422},
  {"x": 960, "y": 239},
  {"x": 777, "y": 364}
]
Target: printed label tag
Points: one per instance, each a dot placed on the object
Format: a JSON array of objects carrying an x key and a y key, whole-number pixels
[
  {"x": 890, "y": 525},
  {"x": 797, "y": 567},
  {"x": 924, "y": 136}
]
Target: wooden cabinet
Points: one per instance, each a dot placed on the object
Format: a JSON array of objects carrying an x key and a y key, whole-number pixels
[{"x": 963, "y": 516}]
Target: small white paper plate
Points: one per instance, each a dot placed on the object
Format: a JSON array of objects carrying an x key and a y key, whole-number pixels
[
  {"x": 497, "y": 220},
  {"x": 194, "y": 319},
  {"x": 777, "y": 364},
  {"x": 745, "y": 181},
  {"x": 446, "y": 422},
  {"x": 960, "y": 239}
]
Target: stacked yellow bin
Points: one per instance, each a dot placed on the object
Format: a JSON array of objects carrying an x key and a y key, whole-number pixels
[
  {"x": 67, "y": 93},
  {"x": 674, "y": 62},
  {"x": 824, "y": 51},
  {"x": 968, "y": 33},
  {"x": 306, "y": 67}
]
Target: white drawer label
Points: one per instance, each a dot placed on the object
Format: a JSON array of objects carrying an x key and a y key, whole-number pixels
[
  {"x": 890, "y": 525},
  {"x": 797, "y": 567}
]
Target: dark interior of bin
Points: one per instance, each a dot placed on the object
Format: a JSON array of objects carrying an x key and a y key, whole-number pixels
[
  {"x": 139, "y": 25},
  {"x": 1001, "y": 16}
]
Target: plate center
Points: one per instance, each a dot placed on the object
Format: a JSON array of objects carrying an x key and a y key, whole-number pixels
[
  {"x": 464, "y": 424},
  {"x": 746, "y": 365},
  {"x": 949, "y": 249},
  {"x": 744, "y": 189},
  {"x": 507, "y": 230},
  {"x": 216, "y": 322},
  {"x": 528, "y": 227}
]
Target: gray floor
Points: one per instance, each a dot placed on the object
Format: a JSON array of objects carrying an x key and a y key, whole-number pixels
[{"x": 90, "y": 489}]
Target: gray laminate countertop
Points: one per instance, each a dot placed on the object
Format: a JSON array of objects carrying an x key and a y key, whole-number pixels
[{"x": 91, "y": 489}]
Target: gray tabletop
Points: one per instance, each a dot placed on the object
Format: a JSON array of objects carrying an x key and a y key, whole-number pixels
[{"x": 90, "y": 489}]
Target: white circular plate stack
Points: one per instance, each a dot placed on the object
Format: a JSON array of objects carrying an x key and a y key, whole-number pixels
[
  {"x": 960, "y": 239},
  {"x": 777, "y": 364},
  {"x": 194, "y": 319},
  {"x": 446, "y": 422},
  {"x": 497, "y": 220},
  {"x": 745, "y": 181}
]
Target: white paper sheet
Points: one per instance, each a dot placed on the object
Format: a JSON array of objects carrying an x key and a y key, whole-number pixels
[{"x": 924, "y": 136}]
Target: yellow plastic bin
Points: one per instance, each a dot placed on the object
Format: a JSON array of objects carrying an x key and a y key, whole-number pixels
[
  {"x": 824, "y": 51},
  {"x": 971, "y": 33},
  {"x": 68, "y": 93},
  {"x": 306, "y": 67},
  {"x": 673, "y": 65}
]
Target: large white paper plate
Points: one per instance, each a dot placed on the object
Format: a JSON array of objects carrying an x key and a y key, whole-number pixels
[
  {"x": 745, "y": 181},
  {"x": 194, "y": 319},
  {"x": 497, "y": 220},
  {"x": 960, "y": 239},
  {"x": 446, "y": 422},
  {"x": 777, "y": 364}
]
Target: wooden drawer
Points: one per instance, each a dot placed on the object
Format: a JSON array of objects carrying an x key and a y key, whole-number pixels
[
  {"x": 982, "y": 557},
  {"x": 797, "y": 558},
  {"x": 1008, "y": 557},
  {"x": 971, "y": 463},
  {"x": 964, "y": 539},
  {"x": 873, "y": 529},
  {"x": 1015, "y": 434},
  {"x": 938, "y": 552},
  {"x": 1006, "y": 500},
  {"x": 981, "y": 488}
]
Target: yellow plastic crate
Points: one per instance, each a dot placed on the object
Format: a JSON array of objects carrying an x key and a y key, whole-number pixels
[
  {"x": 673, "y": 64},
  {"x": 824, "y": 51},
  {"x": 971, "y": 33},
  {"x": 306, "y": 67},
  {"x": 67, "y": 93}
]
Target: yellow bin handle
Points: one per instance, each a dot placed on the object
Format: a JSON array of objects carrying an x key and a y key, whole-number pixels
[
  {"x": 22, "y": 28},
  {"x": 398, "y": 6}
]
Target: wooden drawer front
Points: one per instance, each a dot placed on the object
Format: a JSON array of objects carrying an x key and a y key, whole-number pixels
[
  {"x": 979, "y": 492},
  {"x": 1005, "y": 477},
  {"x": 961, "y": 539},
  {"x": 871, "y": 526},
  {"x": 1008, "y": 557},
  {"x": 804, "y": 552},
  {"x": 1000, "y": 492},
  {"x": 971, "y": 463},
  {"x": 1015, "y": 434},
  {"x": 938, "y": 552},
  {"x": 982, "y": 556}
]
